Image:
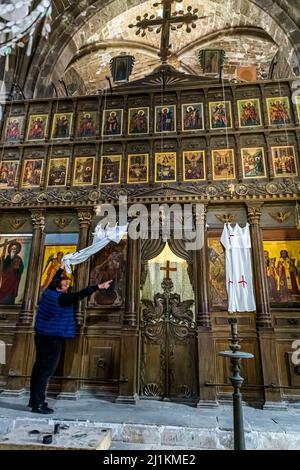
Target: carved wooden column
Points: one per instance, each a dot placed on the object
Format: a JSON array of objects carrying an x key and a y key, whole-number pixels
[
  {"x": 133, "y": 282},
  {"x": 201, "y": 270},
  {"x": 206, "y": 348},
  {"x": 263, "y": 316},
  {"x": 129, "y": 340},
  {"x": 23, "y": 347},
  {"x": 34, "y": 266},
  {"x": 85, "y": 217},
  {"x": 265, "y": 331}
]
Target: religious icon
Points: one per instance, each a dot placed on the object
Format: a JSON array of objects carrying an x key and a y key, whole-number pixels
[
  {"x": 14, "y": 259},
  {"x": 138, "y": 121},
  {"x": 220, "y": 115},
  {"x": 223, "y": 164},
  {"x": 61, "y": 126},
  {"x": 58, "y": 171},
  {"x": 253, "y": 160},
  {"x": 211, "y": 60},
  {"x": 298, "y": 106},
  {"x": 110, "y": 171},
  {"x": 53, "y": 256},
  {"x": 8, "y": 173},
  {"x": 165, "y": 118},
  {"x": 112, "y": 122},
  {"x": 83, "y": 171},
  {"x": 107, "y": 264},
  {"x": 194, "y": 165},
  {"x": 86, "y": 124},
  {"x": 278, "y": 111},
  {"x": 217, "y": 274},
  {"x": 138, "y": 168},
  {"x": 282, "y": 262},
  {"x": 32, "y": 173},
  {"x": 284, "y": 161},
  {"x": 192, "y": 117},
  {"x": 13, "y": 128},
  {"x": 165, "y": 167},
  {"x": 249, "y": 113},
  {"x": 37, "y": 126}
]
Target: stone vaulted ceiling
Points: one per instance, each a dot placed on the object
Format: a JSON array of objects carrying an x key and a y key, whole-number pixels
[
  {"x": 84, "y": 41},
  {"x": 247, "y": 36}
]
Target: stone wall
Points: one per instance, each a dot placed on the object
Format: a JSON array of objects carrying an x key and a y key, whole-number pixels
[{"x": 74, "y": 25}]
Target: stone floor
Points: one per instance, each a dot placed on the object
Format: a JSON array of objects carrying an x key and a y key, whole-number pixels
[{"x": 163, "y": 425}]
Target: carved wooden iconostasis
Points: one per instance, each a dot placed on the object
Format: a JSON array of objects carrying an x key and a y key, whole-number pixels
[{"x": 233, "y": 152}]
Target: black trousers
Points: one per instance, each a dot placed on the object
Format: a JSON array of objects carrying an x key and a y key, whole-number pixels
[{"x": 48, "y": 352}]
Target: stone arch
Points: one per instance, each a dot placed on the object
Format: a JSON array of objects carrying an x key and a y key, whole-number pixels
[{"x": 61, "y": 47}]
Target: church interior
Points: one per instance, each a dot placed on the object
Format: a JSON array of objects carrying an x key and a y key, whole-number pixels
[{"x": 187, "y": 102}]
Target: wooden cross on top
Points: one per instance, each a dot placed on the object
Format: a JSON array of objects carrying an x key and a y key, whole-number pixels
[{"x": 165, "y": 23}]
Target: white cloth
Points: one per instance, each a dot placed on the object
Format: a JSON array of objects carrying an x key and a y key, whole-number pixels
[
  {"x": 239, "y": 283},
  {"x": 102, "y": 237}
]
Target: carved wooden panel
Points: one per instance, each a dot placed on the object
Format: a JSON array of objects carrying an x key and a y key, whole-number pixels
[
  {"x": 251, "y": 91},
  {"x": 42, "y": 107},
  {"x": 279, "y": 216},
  {"x": 101, "y": 358},
  {"x": 168, "y": 351},
  {"x": 7, "y": 337},
  {"x": 250, "y": 371},
  {"x": 289, "y": 372}
]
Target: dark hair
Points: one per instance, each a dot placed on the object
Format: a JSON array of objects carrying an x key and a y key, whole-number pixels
[
  {"x": 16, "y": 244},
  {"x": 56, "y": 283}
]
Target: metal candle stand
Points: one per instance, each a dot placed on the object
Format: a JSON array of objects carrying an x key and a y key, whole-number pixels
[{"x": 236, "y": 380}]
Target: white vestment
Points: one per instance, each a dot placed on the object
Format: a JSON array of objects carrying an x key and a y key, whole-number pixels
[
  {"x": 102, "y": 237},
  {"x": 237, "y": 243}
]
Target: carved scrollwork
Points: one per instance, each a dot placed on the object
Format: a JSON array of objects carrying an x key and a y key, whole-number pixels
[
  {"x": 167, "y": 306},
  {"x": 152, "y": 390},
  {"x": 17, "y": 198},
  {"x": 272, "y": 188},
  {"x": 154, "y": 310},
  {"x": 62, "y": 222},
  {"x": 38, "y": 219},
  {"x": 280, "y": 216},
  {"x": 241, "y": 189},
  {"x": 16, "y": 222},
  {"x": 212, "y": 190},
  {"x": 85, "y": 217},
  {"x": 226, "y": 218},
  {"x": 180, "y": 311},
  {"x": 184, "y": 391},
  {"x": 254, "y": 214},
  {"x": 94, "y": 195},
  {"x": 154, "y": 332},
  {"x": 42, "y": 197},
  {"x": 70, "y": 197}
]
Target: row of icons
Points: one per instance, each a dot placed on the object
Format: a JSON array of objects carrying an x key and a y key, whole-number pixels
[
  {"x": 192, "y": 117},
  {"x": 194, "y": 167}
]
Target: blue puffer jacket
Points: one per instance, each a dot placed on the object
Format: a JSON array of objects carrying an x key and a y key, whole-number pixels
[{"x": 53, "y": 320}]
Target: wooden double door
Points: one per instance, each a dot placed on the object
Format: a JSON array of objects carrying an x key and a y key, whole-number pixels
[{"x": 168, "y": 353}]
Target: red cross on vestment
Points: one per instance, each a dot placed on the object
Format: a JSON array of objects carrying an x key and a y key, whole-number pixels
[{"x": 243, "y": 281}]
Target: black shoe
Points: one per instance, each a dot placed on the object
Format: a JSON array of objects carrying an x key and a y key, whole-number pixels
[{"x": 42, "y": 409}]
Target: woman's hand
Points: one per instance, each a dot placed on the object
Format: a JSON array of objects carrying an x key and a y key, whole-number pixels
[{"x": 105, "y": 285}]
